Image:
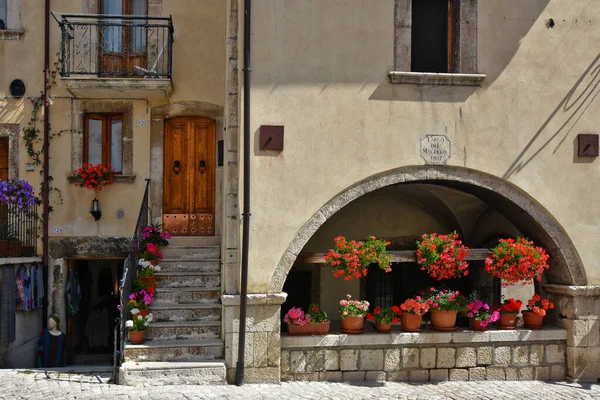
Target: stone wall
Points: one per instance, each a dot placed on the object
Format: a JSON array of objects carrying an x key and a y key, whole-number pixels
[{"x": 429, "y": 356}]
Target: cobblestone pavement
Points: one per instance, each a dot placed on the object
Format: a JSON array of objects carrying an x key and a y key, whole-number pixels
[{"x": 38, "y": 385}]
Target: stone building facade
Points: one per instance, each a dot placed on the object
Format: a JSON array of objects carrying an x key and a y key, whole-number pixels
[{"x": 517, "y": 87}]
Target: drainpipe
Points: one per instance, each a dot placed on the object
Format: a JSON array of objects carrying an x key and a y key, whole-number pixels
[
  {"x": 239, "y": 370},
  {"x": 46, "y": 150}
]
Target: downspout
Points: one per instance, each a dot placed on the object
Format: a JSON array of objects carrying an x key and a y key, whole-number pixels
[
  {"x": 46, "y": 150},
  {"x": 239, "y": 370}
]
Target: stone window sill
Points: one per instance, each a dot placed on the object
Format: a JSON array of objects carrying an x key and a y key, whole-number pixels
[
  {"x": 118, "y": 179},
  {"x": 428, "y": 78},
  {"x": 11, "y": 34},
  {"x": 426, "y": 336},
  {"x": 20, "y": 260}
]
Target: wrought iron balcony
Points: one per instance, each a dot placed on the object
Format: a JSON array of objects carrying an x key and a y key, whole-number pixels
[
  {"x": 18, "y": 230},
  {"x": 115, "y": 46}
]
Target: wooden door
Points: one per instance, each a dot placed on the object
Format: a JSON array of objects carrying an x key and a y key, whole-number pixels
[
  {"x": 189, "y": 176},
  {"x": 3, "y": 158}
]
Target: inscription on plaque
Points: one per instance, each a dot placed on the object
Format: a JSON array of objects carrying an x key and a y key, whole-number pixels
[{"x": 435, "y": 149}]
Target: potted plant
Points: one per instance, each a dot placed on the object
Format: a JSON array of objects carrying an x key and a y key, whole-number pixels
[
  {"x": 350, "y": 259},
  {"x": 533, "y": 317},
  {"x": 481, "y": 315},
  {"x": 314, "y": 322},
  {"x": 412, "y": 313},
  {"x": 384, "y": 318},
  {"x": 140, "y": 301},
  {"x": 508, "y": 313},
  {"x": 518, "y": 260},
  {"x": 151, "y": 253},
  {"x": 444, "y": 306},
  {"x": 146, "y": 272},
  {"x": 137, "y": 328},
  {"x": 353, "y": 313},
  {"x": 442, "y": 256},
  {"x": 153, "y": 234},
  {"x": 17, "y": 192},
  {"x": 94, "y": 177}
]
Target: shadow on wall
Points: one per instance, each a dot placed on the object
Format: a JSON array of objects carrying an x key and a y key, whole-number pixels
[{"x": 557, "y": 127}]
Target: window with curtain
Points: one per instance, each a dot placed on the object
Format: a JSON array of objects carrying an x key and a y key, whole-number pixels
[{"x": 103, "y": 140}]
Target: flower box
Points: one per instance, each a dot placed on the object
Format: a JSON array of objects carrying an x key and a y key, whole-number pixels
[{"x": 321, "y": 328}]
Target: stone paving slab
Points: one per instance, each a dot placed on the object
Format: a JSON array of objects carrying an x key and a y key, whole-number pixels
[{"x": 24, "y": 384}]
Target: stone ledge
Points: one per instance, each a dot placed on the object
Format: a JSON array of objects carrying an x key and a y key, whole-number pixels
[
  {"x": 585, "y": 291},
  {"x": 424, "y": 337},
  {"x": 141, "y": 88},
  {"x": 117, "y": 178},
  {"x": 428, "y": 78},
  {"x": 20, "y": 260},
  {"x": 11, "y": 34},
  {"x": 255, "y": 299}
]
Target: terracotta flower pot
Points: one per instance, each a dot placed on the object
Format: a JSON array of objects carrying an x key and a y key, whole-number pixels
[
  {"x": 322, "y": 328},
  {"x": 148, "y": 280},
  {"x": 443, "y": 320},
  {"x": 383, "y": 328},
  {"x": 508, "y": 320},
  {"x": 411, "y": 322},
  {"x": 154, "y": 262},
  {"x": 532, "y": 320},
  {"x": 476, "y": 326},
  {"x": 143, "y": 313},
  {"x": 353, "y": 324},
  {"x": 137, "y": 337}
]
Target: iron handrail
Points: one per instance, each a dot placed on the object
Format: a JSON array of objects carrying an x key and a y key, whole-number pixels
[{"x": 126, "y": 283}]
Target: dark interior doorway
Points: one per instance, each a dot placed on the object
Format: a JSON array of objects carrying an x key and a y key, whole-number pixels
[{"x": 90, "y": 330}]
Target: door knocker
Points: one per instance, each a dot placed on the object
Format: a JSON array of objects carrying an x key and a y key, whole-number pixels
[
  {"x": 176, "y": 167},
  {"x": 202, "y": 166}
]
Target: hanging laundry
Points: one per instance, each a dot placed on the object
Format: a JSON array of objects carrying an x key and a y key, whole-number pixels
[
  {"x": 23, "y": 287},
  {"x": 32, "y": 285},
  {"x": 73, "y": 294}
]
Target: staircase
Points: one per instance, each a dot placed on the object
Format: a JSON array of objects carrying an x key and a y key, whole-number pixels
[{"x": 183, "y": 344}]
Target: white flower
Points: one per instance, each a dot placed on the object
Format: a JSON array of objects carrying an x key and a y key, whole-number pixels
[
  {"x": 139, "y": 317},
  {"x": 141, "y": 262},
  {"x": 146, "y": 323},
  {"x": 149, "y": 317},
  {"x": 135, "y": 311},
  {"x": 129, "y": 323},
  {"x": 156, "y": 268}
]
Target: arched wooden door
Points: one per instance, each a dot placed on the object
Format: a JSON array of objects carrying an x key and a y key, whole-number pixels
[{"x": 189, "y": 176}]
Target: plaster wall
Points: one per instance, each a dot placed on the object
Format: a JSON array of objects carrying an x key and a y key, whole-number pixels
[{"x": 344, "y": 122}]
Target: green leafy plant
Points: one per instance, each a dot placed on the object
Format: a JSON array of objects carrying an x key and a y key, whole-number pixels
[{"x": 350, "y": 259}]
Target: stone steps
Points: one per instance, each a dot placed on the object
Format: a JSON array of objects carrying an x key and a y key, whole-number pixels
[
  {"x": 175, "y": 350},
  {"x": 186, "y": 312},
  {"x": 173, "y": 373},
  {"x": 184, "y": 265},
  {"x": 187, "y": 279},
  {"x": 192, "y": 252},
  {"x": 195, "y": 241},
  {"x": 186, "y": 295},
  {"x": 184, "y": 330}
]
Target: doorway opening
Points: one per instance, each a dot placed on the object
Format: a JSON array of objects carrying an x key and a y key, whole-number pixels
[{"x": 92, "y": 297}]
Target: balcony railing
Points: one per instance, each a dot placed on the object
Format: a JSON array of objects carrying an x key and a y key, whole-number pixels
[
  {"x": 115, "y": 46},
  {"x": 18, "y": 230}
]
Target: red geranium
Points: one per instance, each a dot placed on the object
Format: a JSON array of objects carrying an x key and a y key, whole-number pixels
[
  {"x": 516, "y": 261},
  {"x": 386, "y": 315},
  {"x": 538, "y": 305},
  {"x": 94, "y": 177},
  {"x": 510, "y": 306},
  {"x": 442, "y": 256},
  {"x": 351, "y": 258}
]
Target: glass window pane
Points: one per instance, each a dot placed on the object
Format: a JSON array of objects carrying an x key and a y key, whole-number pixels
[
  {"x": 113, "y": 34},
  {"x": 116, "y": 145},
  {"x": 94, "y": 141},
  {"x": 3, "y": 14},
  {"x": 138, "y": 34}
]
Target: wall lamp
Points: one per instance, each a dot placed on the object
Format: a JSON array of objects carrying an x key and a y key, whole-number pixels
[{"x": 95, "y": 209}]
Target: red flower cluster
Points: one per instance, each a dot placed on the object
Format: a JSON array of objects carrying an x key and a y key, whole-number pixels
[
  {"x": 517, "y": 260},
  {"x": 510, "y": 306},
  {"x": 94, "y": 177},
  {"x": 386, "y": 316},
  {"x": 415, "y": 306},
  {"x": 351, "y": 258},
  {"x": 442, "y": 256},
  {"x": 538, "y": 305}
]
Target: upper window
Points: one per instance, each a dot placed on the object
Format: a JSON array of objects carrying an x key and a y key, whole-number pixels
[
  {"x": 431, "y": 39},
  {"x": 3, "y": 14},
  {"x": 103, "y": 140}
]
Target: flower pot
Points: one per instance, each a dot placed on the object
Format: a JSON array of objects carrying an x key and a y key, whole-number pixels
[
  {"x": 154, "y": 262},
  {"x": 352, "y": 324},
  {"x": 148, "y": 280},
  {"x": 476, "y": 326},
  {"x": 322, "y": 328},
  {"x": 143, "y": 313},
  {"x": 443, "y": 320},
  {"x": 4, "y": 248},
  {"x": 508, "y": 320},
  {"x": 26, "y": 251},
  {"x": 411, "y": 322},
  {"x": 532, "y": 320},
  {"x": 14, "y": 248},
  {"x": 383, "y": 328},
  {"x": 137, "y": 337}
]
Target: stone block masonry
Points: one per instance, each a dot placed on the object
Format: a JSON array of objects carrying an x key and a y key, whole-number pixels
[{"x": 426, "y": 356}]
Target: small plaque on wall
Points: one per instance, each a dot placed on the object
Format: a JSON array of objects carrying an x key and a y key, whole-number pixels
[{"x": 435, "y": 149}]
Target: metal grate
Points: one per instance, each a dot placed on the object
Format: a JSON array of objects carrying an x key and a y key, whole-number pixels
[{"x": 18, "y": 230}]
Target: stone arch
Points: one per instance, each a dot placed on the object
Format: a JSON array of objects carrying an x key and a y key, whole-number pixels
[
  {"x": 521, "y": 209},
  {"x": 158, "y": 116}
]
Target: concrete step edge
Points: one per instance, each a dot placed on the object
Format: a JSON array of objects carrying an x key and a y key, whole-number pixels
[
  {"x": 167, "y": 343},
  {"x": 158, "y": 365}
]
